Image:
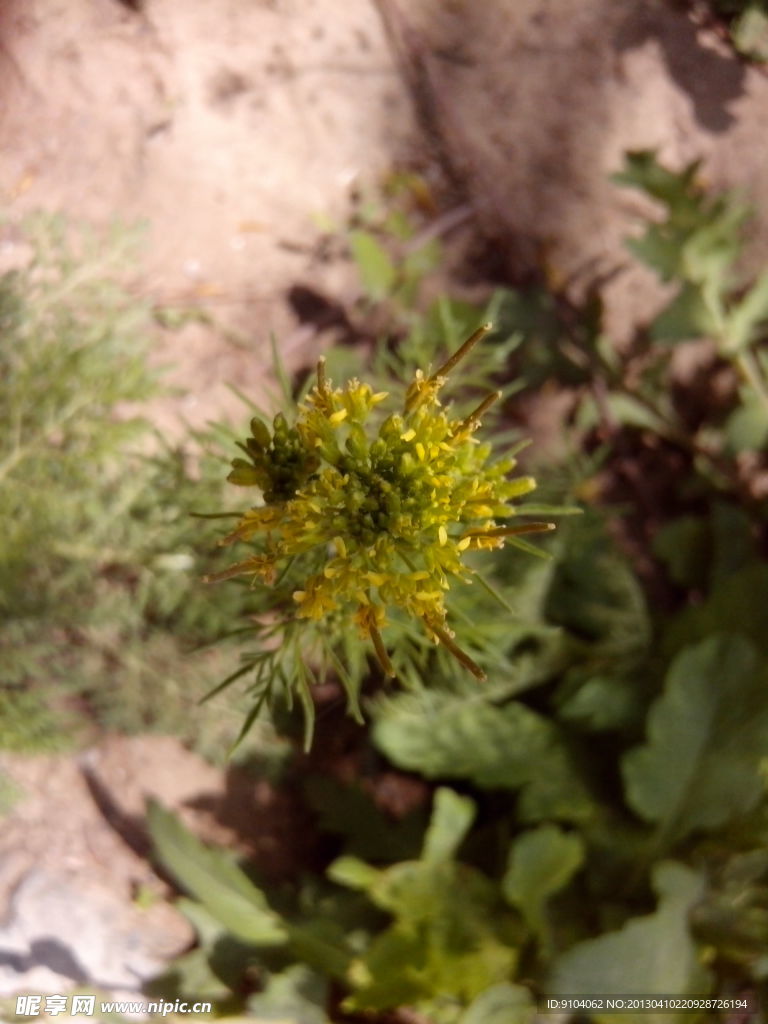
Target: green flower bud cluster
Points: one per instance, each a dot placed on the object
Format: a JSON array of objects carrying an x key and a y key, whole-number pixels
[
  {"x": 278, "y": 464},
  {"x": 384, "y": 508}
]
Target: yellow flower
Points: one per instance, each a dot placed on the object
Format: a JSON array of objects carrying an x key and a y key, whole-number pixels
[{"x": 383, "y": 510}]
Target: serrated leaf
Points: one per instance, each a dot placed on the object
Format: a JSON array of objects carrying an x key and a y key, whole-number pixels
[
  {"x": 440, "y": 735},
  {"x": 215, "y": 880},
  {"x": 649, "y": 955},
  {"x": 450, "y": 736},
  {"x": 501, "y": 1004},
  {"x": 706, "y": 736},
  {"x": 377, "y": 270},
  {"x": 541, "y": 862}
]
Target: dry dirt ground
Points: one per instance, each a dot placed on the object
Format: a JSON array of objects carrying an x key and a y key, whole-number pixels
[{"x": 232, "y": 127}]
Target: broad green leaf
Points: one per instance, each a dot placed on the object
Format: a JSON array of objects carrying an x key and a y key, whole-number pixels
[
  {"x": 216, "y": 881},
  {"x": 445, "y": 735},
  {"x": 541, "y": 862},
  {"x": 452, "y": 817},
  {"x": 707, "y": 734},
  {"x": 441, "y": 735},
  {"x": 377, "y": 270},
  {"x": 501, "y": 1004},
  {"x": 649, "y": 955}
]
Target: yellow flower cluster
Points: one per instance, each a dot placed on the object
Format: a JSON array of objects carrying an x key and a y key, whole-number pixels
[{"x": 393, "y": 503}]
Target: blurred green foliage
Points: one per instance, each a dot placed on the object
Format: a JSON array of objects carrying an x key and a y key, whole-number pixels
[
  {"x": 748, "y": 25},
  {"x": 100, "y": 558}
]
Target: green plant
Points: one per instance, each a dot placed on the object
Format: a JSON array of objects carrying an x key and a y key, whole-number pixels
[
  {"x": 356, "y": 525},
  {"x": 599, "y": 820},
  {"x": 593, "y": 786},
  {"x": 720, "y": 423},
  {"x": 697, "y": 245},
  {"x": 98, "y": 550}
]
